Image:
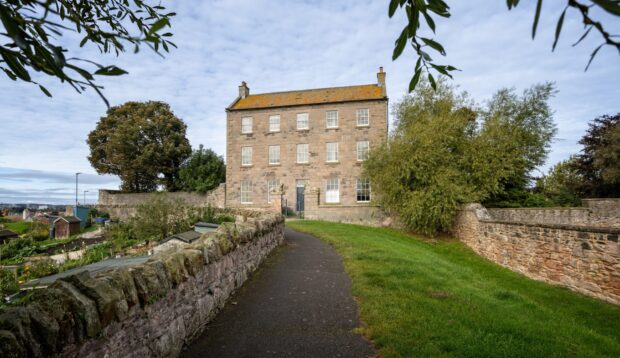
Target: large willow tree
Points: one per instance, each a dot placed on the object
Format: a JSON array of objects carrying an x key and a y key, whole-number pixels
[{"x": 445, "y": 152}]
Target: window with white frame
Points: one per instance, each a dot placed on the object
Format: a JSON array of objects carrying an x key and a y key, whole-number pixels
[
  {"x": 363, "y": 117},
  {"x": 362, "y": 150},
  {"x": 246, "y": 192},
  {"x": 332, "y": 152},
  {"x": 302, "y": 121},
  {"x": 272, "y": 185},
  {"x": 302, "y": 153},
  {"x": 332, "y": 190},
  {"x": 331, "y": 119},
  {"x": 274, "y": 154},
  {"x": 363, "y": 190},
  {"x": 246, "y": 155},
  {"x": 246, "y": 125},
  {"x": 274, "y": 123}
]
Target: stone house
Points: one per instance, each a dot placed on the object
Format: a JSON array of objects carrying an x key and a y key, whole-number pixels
[{"x": 304, "y": 141}]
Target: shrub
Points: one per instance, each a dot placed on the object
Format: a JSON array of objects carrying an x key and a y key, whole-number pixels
[
  {"x": 8, "y": 283},
  {"x": 42, "y": 268}
]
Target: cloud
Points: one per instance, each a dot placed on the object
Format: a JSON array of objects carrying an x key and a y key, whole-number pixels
[{"x": 285, "y": 45}]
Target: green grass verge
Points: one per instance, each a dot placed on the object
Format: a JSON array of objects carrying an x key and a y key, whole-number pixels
[{"x": 421, "y": 299}]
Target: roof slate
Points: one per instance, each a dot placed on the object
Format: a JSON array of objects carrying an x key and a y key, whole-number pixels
[{"x": 312, "y": 96}]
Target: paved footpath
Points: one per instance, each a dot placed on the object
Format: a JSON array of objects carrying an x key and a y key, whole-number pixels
[{"x": 298, "y": 304}]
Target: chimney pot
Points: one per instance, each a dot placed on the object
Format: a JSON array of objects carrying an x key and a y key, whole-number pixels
[{"x": 244, "y": 90}]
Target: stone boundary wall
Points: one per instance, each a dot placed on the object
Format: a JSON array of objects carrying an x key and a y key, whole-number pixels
[
  {"x": 363, "y": 214},
  {"x": 557, "y": 216},
  {"x": 581, "y": 258},
  {"x": 148, "y": 310},
  {"x": 123, "y": 205},
  {"x": 595, "y": 212}
]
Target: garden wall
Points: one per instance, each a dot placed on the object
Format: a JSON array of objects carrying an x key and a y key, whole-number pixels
[
  {"x": 123, "y": 205},
  {"x": 365, "y": 214},
  {"x": 152, "y": 309},
  {"x": 595, "y": 212},
  {"x": 583, "y": 258}
]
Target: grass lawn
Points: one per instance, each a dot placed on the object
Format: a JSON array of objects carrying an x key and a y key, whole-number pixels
[
  {"x": 20, "y": 227},
  {"x": 422, "y": 299}
]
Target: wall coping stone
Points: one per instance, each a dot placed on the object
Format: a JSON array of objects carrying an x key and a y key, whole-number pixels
[{"x": 597, "y": 229}]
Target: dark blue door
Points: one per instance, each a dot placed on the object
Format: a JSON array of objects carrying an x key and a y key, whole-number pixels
[{"x": 299, "y": 207}]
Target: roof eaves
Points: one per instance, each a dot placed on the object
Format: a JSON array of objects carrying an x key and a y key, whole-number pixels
[{"x": 383, "y": 98}]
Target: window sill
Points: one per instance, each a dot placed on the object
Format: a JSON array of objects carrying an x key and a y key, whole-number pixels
[
  {"x": 274, "y": 164},
  {"x": 248, "y": 133},
  {"x": 247, "y": 203},
  {"x": 332, "y": 204},
  {"x": 331, "y": 128},
  {"x": 303, "y": 163},
  {"x": 273, "y": 132},
  {"x": 303, "y": 129},
  {"x": 247, "y": 166},
  {"x": 332, "y": 162},
  {"x": 363, "y": 126}
]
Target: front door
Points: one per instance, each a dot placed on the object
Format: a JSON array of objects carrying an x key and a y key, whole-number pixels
[{"x": 299, "y": 203}]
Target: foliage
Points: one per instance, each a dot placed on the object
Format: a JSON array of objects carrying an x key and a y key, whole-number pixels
[
  {"x": 17, "y": 249},
  {"x": 40, "y": 268},
  {"x": 439, "y": 299},
  {"x": 530, "y": 120},
  {"x": 160, "y": 217},
  {"x": 204, "y": 170},
  {"x": 143, "y": 143},
  {"x": 8, "y": 283},
  {"x": 599, "y": 162},
  {"x": 427, "y": 9},
  {"x": 34, "y": 28},
  {"x": 561, "y": 184},
  {"x": 94, "y": 254},
  {"x": 439, "y": 157}
]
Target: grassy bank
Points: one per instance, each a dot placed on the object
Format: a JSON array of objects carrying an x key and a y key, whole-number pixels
[{"x": 419, "y": 298}]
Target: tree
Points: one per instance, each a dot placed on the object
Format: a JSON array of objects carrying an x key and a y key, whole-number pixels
[
  {"x": 561, "y": 184},
  {"x": 599, "y": 162},
  {"x": 530, "y": 120},
  {"x": 418, "y": 9},
  {"x": 143, "y": 143},
  {"x": 33, "y": 28},
  {"x": 204, "y": 170},
  {"x": 444, "y": 152}
]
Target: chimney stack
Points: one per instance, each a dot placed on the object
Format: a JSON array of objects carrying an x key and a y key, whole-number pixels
[
  {"x": 244, "y": 90},
  {"x": 381, "y": 81}
]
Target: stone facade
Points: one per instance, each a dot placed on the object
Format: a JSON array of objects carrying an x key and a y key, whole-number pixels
[
  {"x": 148, "y": 310},
  {"x": 123, "y": 205},
  {"x": 317, "y": 171},
  {"x": 582, "y": 258}
]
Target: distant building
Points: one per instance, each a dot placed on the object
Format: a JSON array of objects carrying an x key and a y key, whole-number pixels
[
  {"x": 26, "y": 214},
  {"x": 7, "y": 235},
  {"x": 66, "y": 226}
]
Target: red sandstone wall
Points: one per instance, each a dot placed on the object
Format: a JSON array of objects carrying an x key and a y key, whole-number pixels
[{"x": 584, "y": 259}]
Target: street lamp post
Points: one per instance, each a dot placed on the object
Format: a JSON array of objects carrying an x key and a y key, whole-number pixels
[
  {"x": 84, "y": 202},
  {"x": 76, "y": 188}
]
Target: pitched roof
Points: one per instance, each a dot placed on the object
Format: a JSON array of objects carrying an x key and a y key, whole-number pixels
[
  {"x": 69, "y": 219},
  {"x": 312, "y": 96},
  {"x": 187, "y": 236},
  {"x": 4, "y": 233}
]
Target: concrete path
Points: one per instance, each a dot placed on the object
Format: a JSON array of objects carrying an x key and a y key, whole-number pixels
[{"x": 298, "y": 304}]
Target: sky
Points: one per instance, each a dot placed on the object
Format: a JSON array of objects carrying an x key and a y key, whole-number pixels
[{"x": 278, "y": 46}]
